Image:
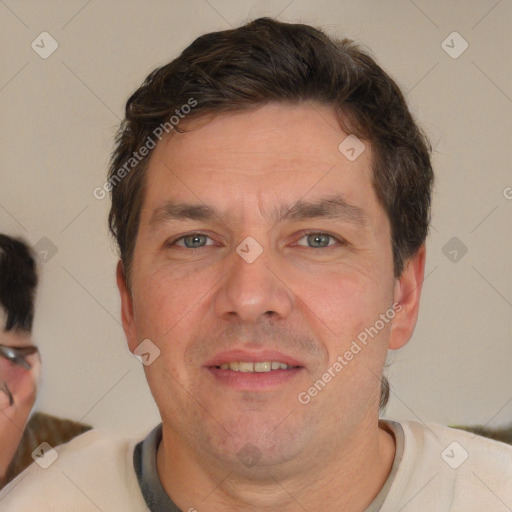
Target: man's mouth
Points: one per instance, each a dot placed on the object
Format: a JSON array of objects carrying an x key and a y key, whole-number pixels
[
  {"x": 253, "y": 370},
  {"x": 255, "y": 367}
]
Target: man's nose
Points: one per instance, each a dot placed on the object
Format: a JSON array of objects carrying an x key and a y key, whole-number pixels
[{"x": 253, "y": 286}]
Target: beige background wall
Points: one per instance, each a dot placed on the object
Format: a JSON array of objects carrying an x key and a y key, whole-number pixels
[{"x": 59, "y": 116}]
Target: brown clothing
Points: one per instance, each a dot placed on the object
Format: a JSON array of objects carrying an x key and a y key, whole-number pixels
[{"x": 41, "y": 427}]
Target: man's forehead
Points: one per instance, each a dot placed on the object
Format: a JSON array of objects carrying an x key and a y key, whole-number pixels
[
  {"x": 307, "y": 132},
  {"x": 240, "y": 165}
]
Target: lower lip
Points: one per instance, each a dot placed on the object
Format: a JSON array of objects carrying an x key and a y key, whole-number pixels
[{"x": 254, "y": 381}]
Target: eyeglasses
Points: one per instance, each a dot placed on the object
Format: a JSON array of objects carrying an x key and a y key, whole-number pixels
[{"x": 17, "y": 355}]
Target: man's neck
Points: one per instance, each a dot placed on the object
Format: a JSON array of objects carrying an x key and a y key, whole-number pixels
[{"x": 348, "y": 480}]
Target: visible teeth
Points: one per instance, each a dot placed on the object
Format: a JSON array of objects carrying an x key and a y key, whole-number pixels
[
  {"x": 246, "y": 367},
  {"x": 262, "y": 367},
  {"x": 250, "y": 367}
]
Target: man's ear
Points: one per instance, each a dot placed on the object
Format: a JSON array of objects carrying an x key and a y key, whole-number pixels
[
  {"x": 407, "y": 297},
  {"x": 126, "y": 307}
]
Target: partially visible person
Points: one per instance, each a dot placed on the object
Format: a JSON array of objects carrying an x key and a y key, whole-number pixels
[
  {"x": 20, "y": 363},
  {"x": 20, "y": 366}
]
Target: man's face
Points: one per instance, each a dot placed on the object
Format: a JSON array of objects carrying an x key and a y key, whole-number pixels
[
  {"x": 207, "y": 297},
  {"x": 18, "y": 384}
]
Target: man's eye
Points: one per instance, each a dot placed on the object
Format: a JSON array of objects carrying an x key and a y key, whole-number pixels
[
  {"x": 314, "y": 240},
  {"x": 193, "y": 241},
  {"x": 319, "y": 240}
]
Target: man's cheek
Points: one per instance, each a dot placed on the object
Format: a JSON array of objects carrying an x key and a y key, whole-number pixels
[
  {"x": 157, "y": 305},
  {"x": 167, "y": 382},
  {"x": 5, "y": 398},
  {"x": 13, "y": 379}
]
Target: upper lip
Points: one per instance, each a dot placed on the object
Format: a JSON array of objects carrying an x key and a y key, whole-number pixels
[{"x": 259, "y": 356}]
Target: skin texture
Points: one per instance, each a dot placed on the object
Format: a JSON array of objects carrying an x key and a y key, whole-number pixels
[
  {"x": 304, "y": 299},
  {"x": 18, "y": 389}
]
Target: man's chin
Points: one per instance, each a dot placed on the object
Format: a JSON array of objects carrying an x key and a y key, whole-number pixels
[{"x": 255, "y": 441}]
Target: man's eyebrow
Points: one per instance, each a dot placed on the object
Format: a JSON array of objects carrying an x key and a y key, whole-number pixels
[
  {"x": 329, "y": 207},
  {"x": 173, "y": 210}
]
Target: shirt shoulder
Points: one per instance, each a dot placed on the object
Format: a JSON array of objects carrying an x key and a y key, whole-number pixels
[
  {"x": 448, "y": 469},
  {"x": 487, "y": 453},
  {"x": 93, "y": 471}
]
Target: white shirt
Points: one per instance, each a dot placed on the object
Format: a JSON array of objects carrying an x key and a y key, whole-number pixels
[{"x": 436, "y": 469}]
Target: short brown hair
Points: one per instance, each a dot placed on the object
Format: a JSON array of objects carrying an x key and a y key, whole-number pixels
[
  {"x": 267, "y": 60},
  {"x": 270, "y": 61}
]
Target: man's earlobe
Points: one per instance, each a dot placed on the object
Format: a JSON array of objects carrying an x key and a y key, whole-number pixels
[
  {"x": 407, "y": 294},
  {"x": 127, "y": 316}
]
